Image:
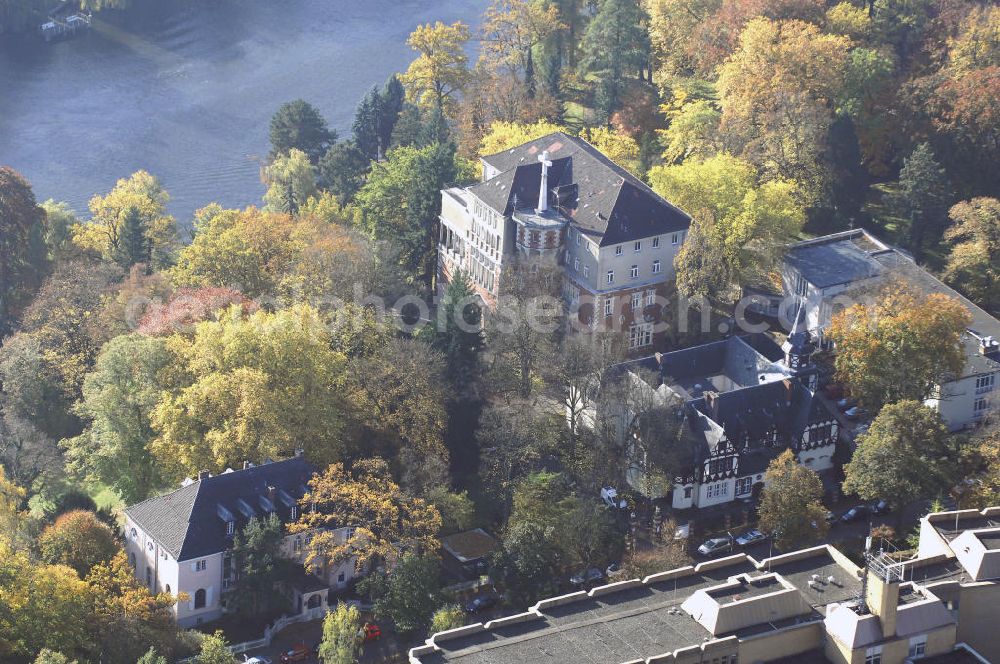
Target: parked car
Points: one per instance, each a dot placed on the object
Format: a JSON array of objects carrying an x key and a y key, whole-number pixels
[
  {"x": 613, "y": 568},
  {"x": 610, "y": 496},
  {"x": 716, "y": 545},
  {"x": 830, "y": 517},
  {"x": 370, "y": 632},
  {"x": 750, "y": 537},
  {"x": 855, "y": 513},
  {"x": 587, "y": 576},
  {"x": 880, "y": 507},
  {"x": 298, "y": 653},
  {"x": 481, "y": 603},
  {"x": 846, "y": 403},
  {"x": 855, "y": 413},
  {"x": 259, "y": 659}
]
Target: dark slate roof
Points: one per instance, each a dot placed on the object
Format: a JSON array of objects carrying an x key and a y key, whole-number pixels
[
  {"x": 747, "y": 414},
  {"x": 602, "y": 198},
  {"x": 840, "y": 259},
  {"x": 187, "y": 522}
]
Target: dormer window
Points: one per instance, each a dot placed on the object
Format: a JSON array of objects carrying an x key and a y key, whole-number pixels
[
  {"x": 230, "y": 528},
  {"x": 294, "y": 513}
]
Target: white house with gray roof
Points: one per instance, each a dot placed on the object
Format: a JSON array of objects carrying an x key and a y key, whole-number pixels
[
  {"x": 830, "y": 272},
  {"x": 559, "y": 197},
  {"x": 180, "y": 542}
]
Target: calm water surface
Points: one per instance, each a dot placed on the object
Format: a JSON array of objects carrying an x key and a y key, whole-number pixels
[{"x": 185, "y": 89}]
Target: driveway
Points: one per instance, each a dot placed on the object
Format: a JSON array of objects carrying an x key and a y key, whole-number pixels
[{"x": 386, "y": 649}]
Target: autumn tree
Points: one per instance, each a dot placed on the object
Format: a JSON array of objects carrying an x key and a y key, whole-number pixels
[
  {"x": 441, "y": 69},
  {"x": 384, "y": 520},
  {"x": 408, "y": 593},
  {"x": 215, "y": 650},
  {"x": 253, "y": 387},
  {"x": 119, "y": 396},
  {"x": 127, "y": 619},
  {"x": 340, "y": 644},
  {"x": 22, "y": 244},
  {"x": 249, "y": 250},
  {"x": 510, "y": 29},
  {"x": 47, "y": 656},
  {"x": 693, "y": 132},
  {"x": 790, "y": 507},
  {"x": 399, "y": 398},
  {"x": 187, "y": 307},
  {"x": 777, "y": 91},
  {"x": 77, "y": 539},
  {"x": 906, "y": 455},
  {"x": 447, "y": 617},
  {"x": 298, "y": 125},
  {"x": 982, "y": 465},
  {"x": 46, "y": 606},
  {"x": 290, "y": 181},
  {"x": 899, "y": 346},
  {"x": 974, "y": 260},
  {"x": 136, "y": 206},
  {"x": 702, "y": 271},
  {"x": 43, "y": 366},
  {"x": 506, "y": 135},
  {"x": 750, "y": 220}
]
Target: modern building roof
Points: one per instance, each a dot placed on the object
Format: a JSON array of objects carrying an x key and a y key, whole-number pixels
[
  {"x": 603, "y": 199},
  {"x": 641, "y": 619},
  {"x": 853, "y": 257},
  {"x": 191, "y": 521}
]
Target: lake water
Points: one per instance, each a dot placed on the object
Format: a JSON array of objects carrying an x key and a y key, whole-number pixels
[{"x": 186, "y": 88}]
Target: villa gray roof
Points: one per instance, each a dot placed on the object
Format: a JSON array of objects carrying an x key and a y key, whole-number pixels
[
  {"x": 826, "y": 264},
  {"x": 187, "y": 522},
  {"x": 602, "y": 198}
]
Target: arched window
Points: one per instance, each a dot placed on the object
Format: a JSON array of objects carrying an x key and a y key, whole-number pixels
[
  {"x": 131, "y": 560},
  {"x": 199, "y": 598},
  {"x": 166, "y": 588}
]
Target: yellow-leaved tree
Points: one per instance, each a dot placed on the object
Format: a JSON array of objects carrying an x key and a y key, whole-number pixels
[
  {"x": 441, "y": 69},
  {"x": 251, "y": 388},
  {"x": 900, "y": 345},
  {"x": 385, "y": 522},
  {"x": 136, "y": 205}
]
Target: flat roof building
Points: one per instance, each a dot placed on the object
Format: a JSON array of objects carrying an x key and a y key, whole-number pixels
[{"x": 812, "y": 605}]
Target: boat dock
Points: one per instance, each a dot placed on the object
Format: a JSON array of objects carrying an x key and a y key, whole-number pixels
[{"x": 64, "y": 21}]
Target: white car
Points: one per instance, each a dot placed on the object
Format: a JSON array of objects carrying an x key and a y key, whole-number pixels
[
  {"x": 715, "y": 545},
  {"x": 609, "y": 495},
  {"x": 750, "y": 537},
  {"x": 260, "y": 659}
]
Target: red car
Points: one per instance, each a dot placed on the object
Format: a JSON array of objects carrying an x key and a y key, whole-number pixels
[
  {"x": 370, "y": 632},
  {"x": 299, "y": 653}
]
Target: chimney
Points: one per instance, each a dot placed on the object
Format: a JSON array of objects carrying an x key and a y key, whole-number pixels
[
  {"x": 882, "y": 598},
  {"x": 204, "y": 475},
  {"x": 990, "y": 347},
  {"x": 247, "y": 465}
]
